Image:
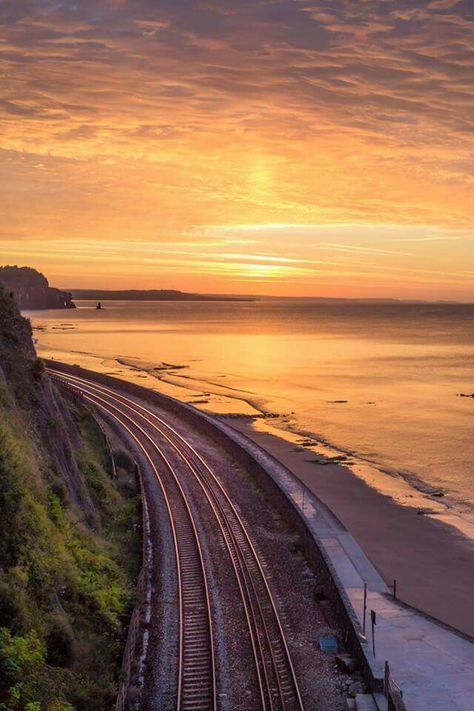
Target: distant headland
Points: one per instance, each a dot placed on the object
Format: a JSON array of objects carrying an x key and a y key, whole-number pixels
[
  {"x": 31, "y": 289},
  {"x": 150, "y": 295}
]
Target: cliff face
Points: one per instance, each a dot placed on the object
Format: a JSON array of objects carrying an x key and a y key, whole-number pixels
[
  {"x": 23, "y": 374},
  {"x": 68, "y": 546},
  {"x": 32, "y": 290}
]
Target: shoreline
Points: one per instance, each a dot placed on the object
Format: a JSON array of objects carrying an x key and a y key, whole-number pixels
[
  {"x": 431, "y": 555},
  {"x": 431, "y": 559},
  {"x": 406, "y": 489},
  {"x": 218, "y": 398}
]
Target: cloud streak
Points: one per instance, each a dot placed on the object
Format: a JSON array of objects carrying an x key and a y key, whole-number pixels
[{"x": 141, "y": 122}]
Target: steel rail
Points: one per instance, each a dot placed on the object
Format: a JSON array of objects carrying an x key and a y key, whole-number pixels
[
  {"x": 190, "y": 690},
  {"x": 243, "y": 555},
  {"x": 81, "y": 386}
]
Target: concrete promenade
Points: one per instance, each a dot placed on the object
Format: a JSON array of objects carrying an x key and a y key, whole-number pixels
[{"x": 433, "y": 665}]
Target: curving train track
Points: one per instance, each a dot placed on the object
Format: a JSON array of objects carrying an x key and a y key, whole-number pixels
[{"x": 197, "y": 682}]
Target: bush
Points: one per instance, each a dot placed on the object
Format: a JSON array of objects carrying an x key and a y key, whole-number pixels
[
  {"x": 98, "y": 582},
  {"x": 56, "y": 510},
  {"x": 37, "y": 369},
  {"x": 60, "y": 642},
  {"x": 26, "y": 681},
  {"x": 8, "y": 607},
  {"x": 21, "y": 669},
  {"x": 65, "y": 586},
  {"x": 124, "y": 460}
]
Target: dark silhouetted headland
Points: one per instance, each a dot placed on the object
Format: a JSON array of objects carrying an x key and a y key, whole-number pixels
[
  {"x": 31, "y": 289},
  {"x": 149, "y": 295}
]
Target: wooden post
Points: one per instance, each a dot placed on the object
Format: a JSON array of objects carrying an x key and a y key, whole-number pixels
[
  {"x": 373, "y": 620},
  {"x": 395, "y": 588},
  {"x": 365, "y": 608}
]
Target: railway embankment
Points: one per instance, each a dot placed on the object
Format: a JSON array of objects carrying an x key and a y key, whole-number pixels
[
  {"x": 68, "y": 548},
  {"x": 264, "y": 618},
  {"x": 432, "y": 663},
  {"x": 285, "y": 493}
]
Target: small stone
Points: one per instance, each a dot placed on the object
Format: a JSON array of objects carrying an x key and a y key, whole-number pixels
[
  {"x": 346, "y": 663},
  {"x": 357, "y": 687}
]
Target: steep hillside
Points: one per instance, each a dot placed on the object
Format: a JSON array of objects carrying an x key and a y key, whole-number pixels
[
  {"x": 69, "y": 543},
  {"x": 32, "y": 290}
]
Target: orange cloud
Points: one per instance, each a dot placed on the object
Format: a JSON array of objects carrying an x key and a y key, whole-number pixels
[{"x": 139, "y": 122}]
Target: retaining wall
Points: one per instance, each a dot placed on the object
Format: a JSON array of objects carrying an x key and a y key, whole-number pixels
[{"x": 270, "y": 475}]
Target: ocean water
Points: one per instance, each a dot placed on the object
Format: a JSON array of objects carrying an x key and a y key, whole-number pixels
[{"x": 380, "y": 381}]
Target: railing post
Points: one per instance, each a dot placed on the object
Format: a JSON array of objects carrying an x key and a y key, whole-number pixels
[
  {"x": 373, "y": 622},
  {"x": 365, "y": 608}
]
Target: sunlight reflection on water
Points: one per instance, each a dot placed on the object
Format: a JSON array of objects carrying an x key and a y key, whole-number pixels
[{"x": 380, "y": 380}]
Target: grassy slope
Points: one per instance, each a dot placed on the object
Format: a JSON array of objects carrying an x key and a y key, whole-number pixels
[{"x": 66, "y": 586}]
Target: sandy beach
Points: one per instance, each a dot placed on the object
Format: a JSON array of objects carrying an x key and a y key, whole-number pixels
[{"x": 431, "y": 559}]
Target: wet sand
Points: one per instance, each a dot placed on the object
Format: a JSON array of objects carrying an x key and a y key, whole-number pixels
[
  {"x": 412, "y": 536},
  {"x": 431, "y": 559}
]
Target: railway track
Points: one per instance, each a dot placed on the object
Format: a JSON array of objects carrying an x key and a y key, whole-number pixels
[
  {"x": 277, "y": 685},
  {"x": 196, "y": 689}
]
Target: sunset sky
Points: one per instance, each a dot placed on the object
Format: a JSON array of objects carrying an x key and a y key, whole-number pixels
[{"x": 289, "y": 147}]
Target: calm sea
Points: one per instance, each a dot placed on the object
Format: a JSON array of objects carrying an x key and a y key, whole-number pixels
[{"x": 381, "y": 381}]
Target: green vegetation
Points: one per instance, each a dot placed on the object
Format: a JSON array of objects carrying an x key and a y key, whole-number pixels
[{"x": 67, "y": 572}]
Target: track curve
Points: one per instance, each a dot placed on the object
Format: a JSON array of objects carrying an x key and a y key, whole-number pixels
[{"x": 277, "y": 683}]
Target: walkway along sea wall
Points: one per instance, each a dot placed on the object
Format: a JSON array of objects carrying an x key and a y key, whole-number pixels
[{"x": 277, "y": 483}]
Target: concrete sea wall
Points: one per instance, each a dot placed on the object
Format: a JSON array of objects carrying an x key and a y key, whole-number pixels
[{"x": 285, "y": 492}]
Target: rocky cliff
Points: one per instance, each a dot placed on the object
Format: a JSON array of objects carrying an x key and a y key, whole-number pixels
[
  {"x": 32, "y": 290},
  {"x": 69, "y": 543}
]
